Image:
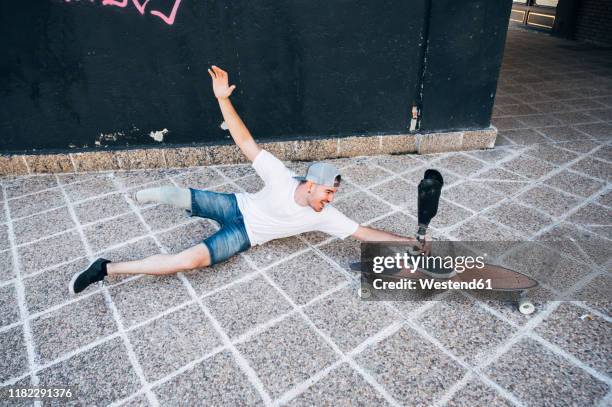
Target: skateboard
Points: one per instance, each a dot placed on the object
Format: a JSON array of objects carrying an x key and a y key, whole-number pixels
[{"x": 494, "y": 278}]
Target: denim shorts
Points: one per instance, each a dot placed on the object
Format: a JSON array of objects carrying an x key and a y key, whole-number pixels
[{"x": 232, "y": 237}]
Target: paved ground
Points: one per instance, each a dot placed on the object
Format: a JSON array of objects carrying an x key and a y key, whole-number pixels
[{"x": 282, "y": 323}]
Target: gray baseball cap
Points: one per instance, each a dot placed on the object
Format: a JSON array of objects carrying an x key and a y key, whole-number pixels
[{"x": 322, "y": 174}]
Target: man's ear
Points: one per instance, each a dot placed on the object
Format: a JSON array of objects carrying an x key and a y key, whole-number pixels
[{"x": 309, "y": 186}]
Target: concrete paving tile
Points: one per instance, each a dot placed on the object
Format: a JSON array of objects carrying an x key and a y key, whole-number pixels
[
  {"x": 33, "y": 204},
  {"x": 472, "y": 194},
  {"x": 546, "y": 265},
  {"x": 552, "y": 154},
  {"x": 499, "y": 174},
  {"x": 143, "y": 298},
  {"x": 101, "y": 235},
  {"x": 583, "y": 146},
  {"x": 98, "y": 376},
  {"x": 448, "y": 215},
  {"x": 596, "y": 130},
  {"x": 348, "y": 320},
  {"x": 250, "y": 184},
  {"x": 72, "y": 177},
  {"x": 202, "y": 178},
  {"x": 275, "y": 250},
  {"x": 525, "y": 137},
  {"x": 518, "y": 109},
  {"x": 604, "y": 199},
  {"x": 306, "y": 276},
  {"x": 186, "y": 236},
  {"x": 460, "y": 164},
  {"x": 37, "y": 226},
  {"x": 100, "y": 208},
  {"x": 7, "y": 271},
  {"x": 481, "y": 229},
  {"x": 594, "y": 168},
  {"x": 71, "y": 327},
  {"x": 398, "y": 192},
  {"x": 9, "y": 310},
  {"x": 501, "y": 141},
  {"x": 362, "y": 207},
  {"x": 50, "y": 251},
  {"x": 397, "y": 163},
  {"x": 259, "y": 303},
  {"x": 342, "y": 387},
  {"x": 506, "y": 188},
  {"x": 575, "y": 183},
  {"x": 342, "y": 252},
  {"x": 508, "y": 123},
  {"x": 90, "y": 188},
  {"x": 585, "y": 338},
  {"x": 539, "y": 377},
  {"x": 226, "y": 188},
  {"x": 170, "y": 342},
  {"x": 29, "y": 184},
  {"x": 601, "y": 114},
  {"x": 365, "y": 174},
  {"x": 491, "y": 156},
  {"x": 140, "y": 401},
  {"x": 164, "y": 216},
  {"x": 129, "y": 179},
  {"x": 286, "y": 354},
  {"x": 519, "y": 217},
  {"x": 13, "y": 354},
  {"x": 214, "y": 381},
  {"x": 569, "y": 118},
  {"x": 505, "y": 100},
  {"x": 595, "y": 292},
  {"x": 528, "y": 167},
  {"x": 409, "y": 368},
  {"x": 4, "y": 237},
  {"x": 314, "y": 238},
  {"x": 476, "y": 393},
  {"x": 465, "y": 328},
  {"x": 2, "y": 211},
  {"x": 399, "y": 223},
  {"x": 210, "y": 278},
  {"x": 605, "y": 231},
  {"x": 604, "y": 153},
  {"x": 539, "y": 120},
  {"x": 50, "y": 287},
  {"x": 236, "y": 171},
  {"x": 549, "y": 200},
  {"x": 346, "y": 188},
  {"x": 549, "y": 106},
  {"x": 563, "y": 133},
  {"x": 567, "y": 238},
  {"x": 592, "y": 214}
]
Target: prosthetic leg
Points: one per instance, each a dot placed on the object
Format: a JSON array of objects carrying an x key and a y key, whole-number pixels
[{"x": 430, "y": 188}]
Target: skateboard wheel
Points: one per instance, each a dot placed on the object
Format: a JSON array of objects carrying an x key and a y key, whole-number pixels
[
  {"x": 364, "y": 291},
  {"x": 526, "y": 307}
]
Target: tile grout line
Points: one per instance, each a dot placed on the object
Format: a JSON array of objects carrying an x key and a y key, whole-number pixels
[
  {"x": 109, "y": 301},
  {"x": 328, "y": 340},
  {"x": 21, "y": 298}
]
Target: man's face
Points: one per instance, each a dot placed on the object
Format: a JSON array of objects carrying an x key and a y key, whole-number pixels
[{"x": 320, "y": 195}]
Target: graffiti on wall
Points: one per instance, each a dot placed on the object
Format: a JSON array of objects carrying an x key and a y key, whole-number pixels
[{"x": 141, "y": 7}]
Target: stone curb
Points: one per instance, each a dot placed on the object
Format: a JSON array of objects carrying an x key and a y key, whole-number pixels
[{"x": 304, "y": 150}]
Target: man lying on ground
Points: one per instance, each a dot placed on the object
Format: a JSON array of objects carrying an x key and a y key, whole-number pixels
[{"x": 286, "y": 206}]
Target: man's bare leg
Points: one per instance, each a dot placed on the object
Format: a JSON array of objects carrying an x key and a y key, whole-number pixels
[
  {"x": 164, "y": 264},
  {"x": 157, "y": 265}
]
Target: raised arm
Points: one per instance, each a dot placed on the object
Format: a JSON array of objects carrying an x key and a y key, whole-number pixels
[
  {"x": 241, "y": 135},
  {"x": 366, "y": 234}
]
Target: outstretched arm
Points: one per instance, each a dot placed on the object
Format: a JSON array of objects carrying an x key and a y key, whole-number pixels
[
  {"x": 241, "y": 135},
  {"x": 366, "y": 234}
]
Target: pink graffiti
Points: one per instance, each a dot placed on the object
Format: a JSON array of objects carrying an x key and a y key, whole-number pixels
[{"x": 141, "y": 7}]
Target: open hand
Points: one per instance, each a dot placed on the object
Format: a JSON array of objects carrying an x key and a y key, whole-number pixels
[{"x": 220, "y": 82}]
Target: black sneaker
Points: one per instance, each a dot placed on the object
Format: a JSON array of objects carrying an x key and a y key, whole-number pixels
[{"x": 93, "y": 273}]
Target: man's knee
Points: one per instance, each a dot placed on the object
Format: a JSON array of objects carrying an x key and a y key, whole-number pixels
[{"x": 196, "y": 257}]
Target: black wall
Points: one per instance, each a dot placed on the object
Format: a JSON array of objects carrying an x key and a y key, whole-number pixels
[{"x": 81, "y": 74}]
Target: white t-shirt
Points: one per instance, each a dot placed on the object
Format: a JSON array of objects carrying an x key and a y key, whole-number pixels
[{"x": 272, "y": 213}]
